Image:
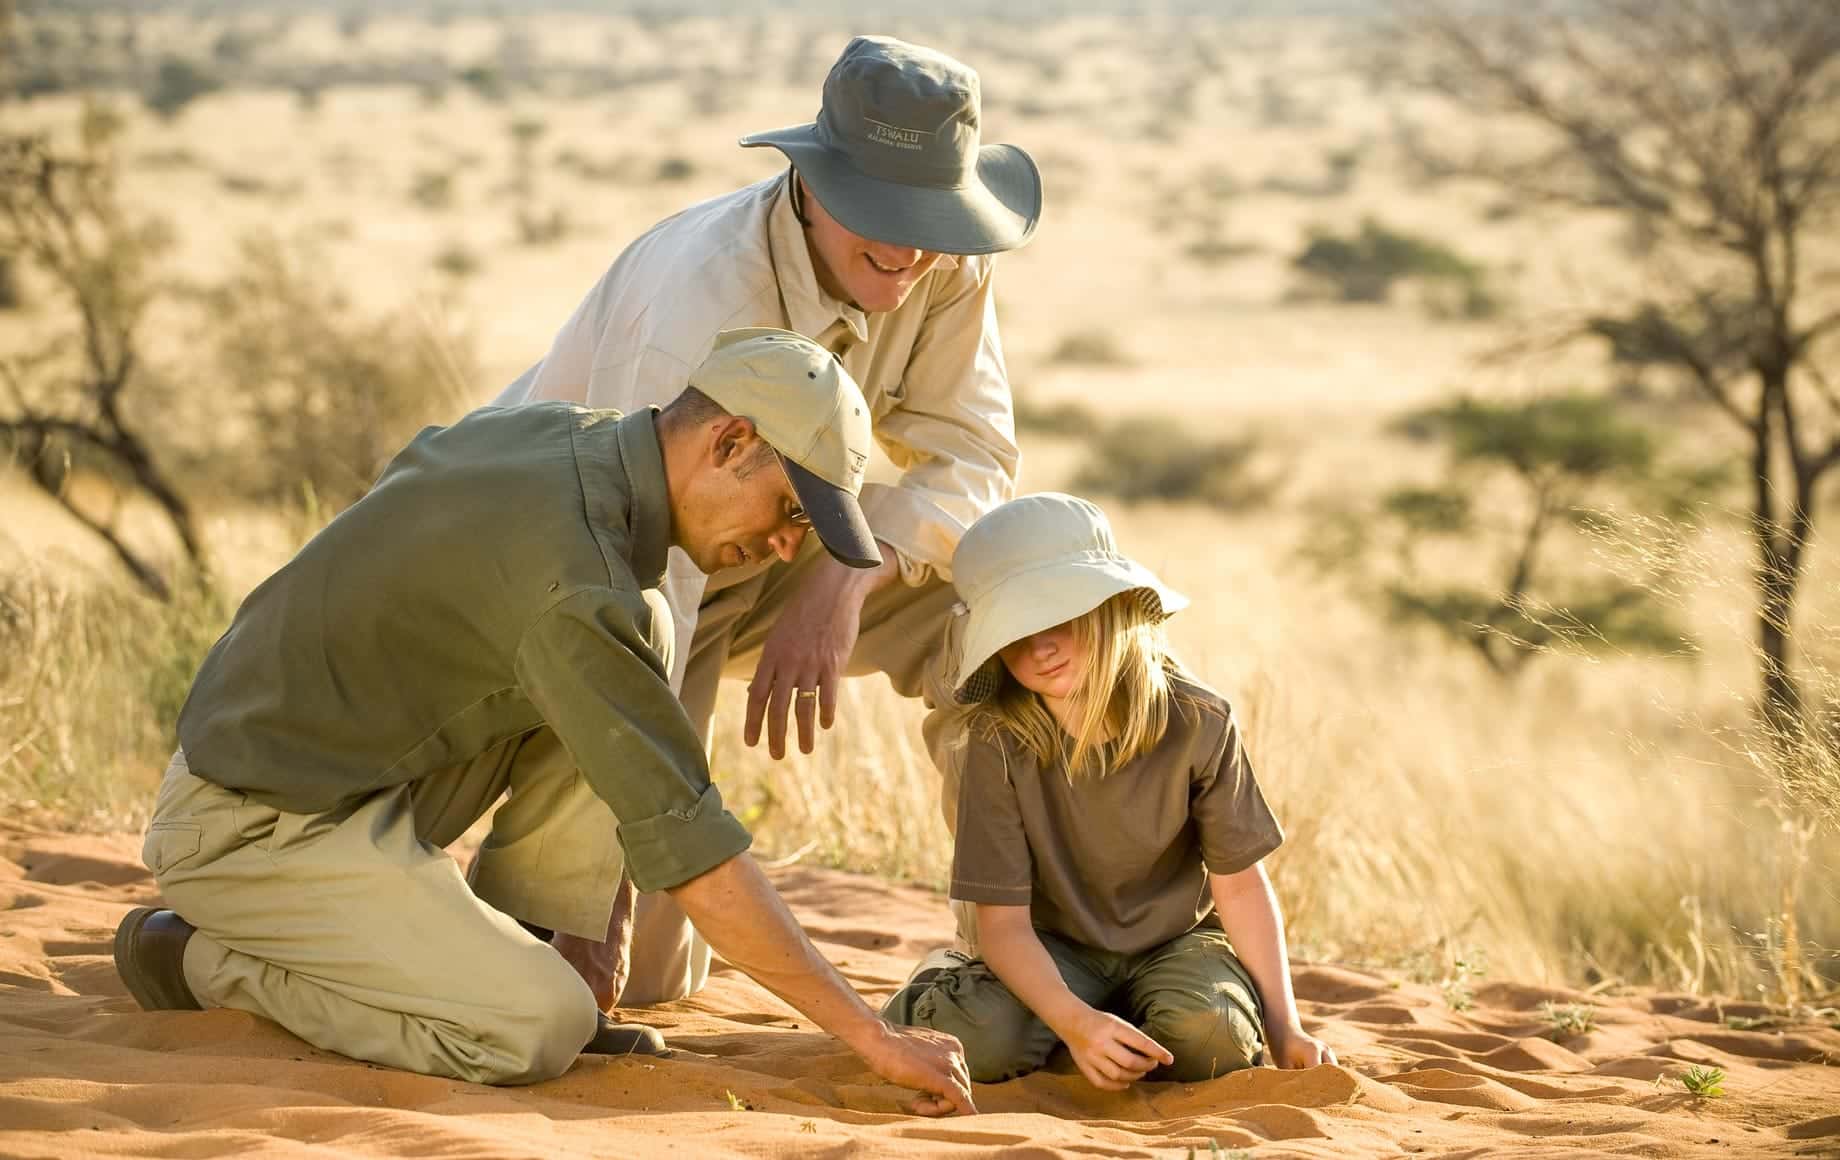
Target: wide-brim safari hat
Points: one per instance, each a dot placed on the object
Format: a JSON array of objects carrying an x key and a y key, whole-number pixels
[
  {"x": 895, "y": 154},
  {"x": 1031, "y": 564}
]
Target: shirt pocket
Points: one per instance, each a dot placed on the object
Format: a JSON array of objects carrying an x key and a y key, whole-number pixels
[
  {"x": 168, "y": 844},
  {"x": 888, "y": 396}
]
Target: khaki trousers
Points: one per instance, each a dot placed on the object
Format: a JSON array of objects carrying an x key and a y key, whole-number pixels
[
  {"x": 901, "y": 631},
  {"x": 356, "y": 931}
]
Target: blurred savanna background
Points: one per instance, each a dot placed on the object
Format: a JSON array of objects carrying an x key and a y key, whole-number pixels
[{"x": 1472, "y": 366}]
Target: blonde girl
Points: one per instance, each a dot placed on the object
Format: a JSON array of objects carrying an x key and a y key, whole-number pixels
[{"x": 1109, "y": 829}]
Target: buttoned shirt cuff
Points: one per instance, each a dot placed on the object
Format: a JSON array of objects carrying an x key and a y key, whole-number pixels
[
  {"x": 673, "y": 847},
  {"x": 922, "y": 535}
]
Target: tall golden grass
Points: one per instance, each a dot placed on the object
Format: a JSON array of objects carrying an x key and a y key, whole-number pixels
[
  {"x": 94, "y": 675},
  {"x": 1601, "y": 820}
]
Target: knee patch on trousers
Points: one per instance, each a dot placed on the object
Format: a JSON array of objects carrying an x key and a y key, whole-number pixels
[
  {"x": 1209, "y": 1036},
  {"x": 560, "y": 1018},
  {"x": 1002, "y": 1038}
]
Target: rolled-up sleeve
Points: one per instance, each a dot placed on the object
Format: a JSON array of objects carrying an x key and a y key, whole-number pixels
[
  {"x": 953, "y": 435},
  {"x": 587, "y": 667}
]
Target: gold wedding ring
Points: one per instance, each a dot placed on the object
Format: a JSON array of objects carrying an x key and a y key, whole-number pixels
[{"x": 806, "y": 693}]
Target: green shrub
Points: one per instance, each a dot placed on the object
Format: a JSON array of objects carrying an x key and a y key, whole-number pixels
[
  {"x": 1568, "y": 1021},
  {"x": 456, "y": 261},
  {"x": 613, "y": 170},
  {"x": 232, "y": 47},
  {"x": 1094, "y": 348},
  {"x": 1161, "y": 459},
  {"x": 1066, "y": 419},
  {"x": 541, "y": 227},
  {"x": 1366, "y": 266},
  {"x": 1705, "y": 1083},
  {"x": 177, "y": 83},
  {"x": 1213, "y": 250},
  {"x": 432, "y": 190},
  {"x": 325, "y": 394},
  {"x": 487, "y": 83}
]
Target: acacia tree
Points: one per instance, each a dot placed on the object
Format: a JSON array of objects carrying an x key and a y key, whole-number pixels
[
  {"x": 1553, "y": 467},
  {"x": 1714, "y": 127},
  {"x": 62, "y": 404}
]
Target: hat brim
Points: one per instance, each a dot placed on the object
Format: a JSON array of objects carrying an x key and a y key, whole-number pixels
[
  {"x": 835, "y": 516},
  {"x": 996, "y": 212},
  {"x": 1040, "y": 598}
]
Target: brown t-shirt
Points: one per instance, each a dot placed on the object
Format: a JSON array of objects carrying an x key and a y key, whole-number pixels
[{"x": 1121, "y": 861}]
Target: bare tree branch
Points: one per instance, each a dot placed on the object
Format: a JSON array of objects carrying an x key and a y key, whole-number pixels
[
  {"x": 62, "y": 212},
  {"x": 1823, "y": 387},
  {"x": 1814, "y": 332},
  {"x": 1717, "y": 121}
]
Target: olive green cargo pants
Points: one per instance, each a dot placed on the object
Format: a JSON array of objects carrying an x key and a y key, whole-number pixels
[{"x": 1190, "y": 994}]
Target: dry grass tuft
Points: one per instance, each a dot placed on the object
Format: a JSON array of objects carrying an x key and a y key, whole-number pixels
[{"x": 95, "y": 677}]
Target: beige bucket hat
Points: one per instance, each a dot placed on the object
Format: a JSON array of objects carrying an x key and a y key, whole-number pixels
[
  {"x": 1031, "y": 564},
  {"x": 896, "y": 154},
  {"x": 809, "y": 409}
]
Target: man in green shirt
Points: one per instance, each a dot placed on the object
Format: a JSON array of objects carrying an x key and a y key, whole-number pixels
[{"x": 486, "y": 621}]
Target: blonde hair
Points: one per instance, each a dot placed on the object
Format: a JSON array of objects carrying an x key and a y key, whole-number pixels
[{"x": 1121, "y": 707}]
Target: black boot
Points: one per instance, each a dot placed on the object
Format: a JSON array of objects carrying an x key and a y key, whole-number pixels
[
  {"x": 625, "y": 1039},
  {"x": 150, "y": 958}
]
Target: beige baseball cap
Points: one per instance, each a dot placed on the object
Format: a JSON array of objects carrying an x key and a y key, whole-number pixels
[{"x": 809, "y": 409}]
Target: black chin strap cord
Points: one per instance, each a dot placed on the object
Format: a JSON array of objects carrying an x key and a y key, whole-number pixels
[{"x": 798, "y": 196}]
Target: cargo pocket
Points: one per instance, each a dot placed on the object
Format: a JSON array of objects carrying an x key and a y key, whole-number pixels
[{"x": 169, "y": 843}]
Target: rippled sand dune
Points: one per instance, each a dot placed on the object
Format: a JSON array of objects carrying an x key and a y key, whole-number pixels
[{"x": 83, "y": 1072}]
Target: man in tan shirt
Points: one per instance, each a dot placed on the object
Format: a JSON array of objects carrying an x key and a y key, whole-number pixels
[{"x": 878, "y": 243}]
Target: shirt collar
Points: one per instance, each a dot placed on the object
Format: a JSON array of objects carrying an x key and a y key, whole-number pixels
[
  {"x": 810, "y": 311},
  {"x": 643, "y": 459},
  {"x": 622, "y": 469}
]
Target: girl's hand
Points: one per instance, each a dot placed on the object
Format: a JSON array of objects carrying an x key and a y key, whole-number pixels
[
  {"x": 1111, "y": 1053},
  {"x": 1292, "y": 1046}
]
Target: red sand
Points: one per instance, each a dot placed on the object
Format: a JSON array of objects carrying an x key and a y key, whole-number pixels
[{"x": 83, "y": 1072}]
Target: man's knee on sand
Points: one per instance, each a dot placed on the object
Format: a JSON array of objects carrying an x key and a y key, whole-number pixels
[
  {"x": 552, "y": 1018},
  {"x": 1002, "y": 1038},
  {"x": 1208, "y": 1032},
  {"x": 538, "y": 1017}
]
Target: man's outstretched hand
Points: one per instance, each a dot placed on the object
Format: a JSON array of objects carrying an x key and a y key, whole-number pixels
[
  {"x": 931, "y": 1062},
  {"x": 747, "y": 923}
]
